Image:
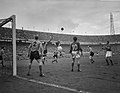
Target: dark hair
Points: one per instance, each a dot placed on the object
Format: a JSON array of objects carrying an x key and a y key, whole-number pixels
[
  {"x": 75, "y": 38},
  {"x": 36, "y": 37},
  {"x": 57, "y": 43},
  {"x": 2, "y": 47},
  {"x": 107, "y": 41}
]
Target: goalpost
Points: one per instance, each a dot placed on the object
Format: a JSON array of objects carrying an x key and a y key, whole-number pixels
[{"x": 2, "y": 23}]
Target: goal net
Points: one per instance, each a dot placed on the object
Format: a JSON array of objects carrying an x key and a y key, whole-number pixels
[{"x": 8, "y": 41}]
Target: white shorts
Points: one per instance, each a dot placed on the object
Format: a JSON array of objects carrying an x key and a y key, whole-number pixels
[
  {"x": 59, "y": 48},
  {"x": 75, "y": 54},
  {"x": 90, "y": 57},
  {"x": 109, "y": 54}
]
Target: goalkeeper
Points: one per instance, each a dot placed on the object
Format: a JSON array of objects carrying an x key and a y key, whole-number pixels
[{"x": 34, "y": 53}]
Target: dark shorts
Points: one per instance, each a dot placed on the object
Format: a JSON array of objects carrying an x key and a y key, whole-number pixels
[
  {"x": 55, "y": 56},
  {"x": 35, "y": 55},
  {"x": 45, "y": 53},
  {"x": 1, "y": 58},
  {"x": 91, "y": 53}
]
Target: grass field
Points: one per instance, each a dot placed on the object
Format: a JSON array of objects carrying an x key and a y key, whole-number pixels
[{"x": 94, "y": 78}]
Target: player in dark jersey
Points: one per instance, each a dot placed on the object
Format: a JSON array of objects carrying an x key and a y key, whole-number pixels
[
  {"x": 108, "y": 55},
  {"x": 45, "y": 44},
  {"x": 35, "y": 52},
  {"x": 76, "y": 52},
  {"x": 91, "y": 54}
]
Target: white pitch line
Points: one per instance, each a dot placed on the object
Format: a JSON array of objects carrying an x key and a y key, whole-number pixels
[{"x": 52, "y": 85}]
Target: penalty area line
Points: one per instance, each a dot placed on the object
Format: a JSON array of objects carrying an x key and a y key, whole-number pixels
[{"x": 51, "y": 85}]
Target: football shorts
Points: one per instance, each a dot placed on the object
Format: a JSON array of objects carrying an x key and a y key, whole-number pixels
[
  {"x": 109, "y": 54},
  {"x": 75, "y": 54},
  {"x": 91, "y": 53},
  {"x": 59, "y": 48},
  {"x": 34, "y": 55}
]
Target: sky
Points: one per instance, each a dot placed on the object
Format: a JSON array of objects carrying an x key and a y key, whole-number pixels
[{"x": 81, "y": 17}]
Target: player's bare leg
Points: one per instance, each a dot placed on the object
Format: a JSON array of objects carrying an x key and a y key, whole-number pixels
[
  {"x": 91, "y": 60},
  {"x": 107, "y": 61},
  {"x": 111, "y": 61},
  {"x": 73, "y": 61},
  {"x": 41, "y": 73},
  {"x": 79, "y": 70},
  {"x": 40, "y": 67},
  {"x": 43, "y": 60},
  {"x": 55, "y": 60},
  {"x": 29, "y": 67},
  {"x": 78, "y": 64}
]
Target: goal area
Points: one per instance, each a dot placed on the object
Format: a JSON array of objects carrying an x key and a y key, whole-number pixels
[{"x": 3, "y": 22}]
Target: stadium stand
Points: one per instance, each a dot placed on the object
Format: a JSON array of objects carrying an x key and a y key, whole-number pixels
[
  {"x": 24, "y": 36},
  {"x": 84, "y": 39}
]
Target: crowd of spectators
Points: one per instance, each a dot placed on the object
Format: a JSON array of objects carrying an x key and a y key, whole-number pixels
[{"x": 6, "y": 33}]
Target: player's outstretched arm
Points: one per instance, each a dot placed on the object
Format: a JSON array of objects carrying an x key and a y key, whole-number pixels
[
  {"x": 50, "y": 39},
  {"x": 41, "y": 49},
  {"x": 29, "y": 50}
]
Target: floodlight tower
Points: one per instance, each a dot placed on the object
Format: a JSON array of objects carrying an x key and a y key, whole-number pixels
[{"x": 112, "y": 30}]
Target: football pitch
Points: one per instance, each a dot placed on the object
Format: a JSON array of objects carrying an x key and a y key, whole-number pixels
[{"x": 94, "y": 78}]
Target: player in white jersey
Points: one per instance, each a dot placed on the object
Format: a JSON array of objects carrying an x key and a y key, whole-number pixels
[
  {"x": 59, "y": 48},
  {"x": 35, "y": 52},
  {"x": 76, "y": 52},
  {"x": 91, "y": 54},
  {"x": 108, "y": 53}
]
